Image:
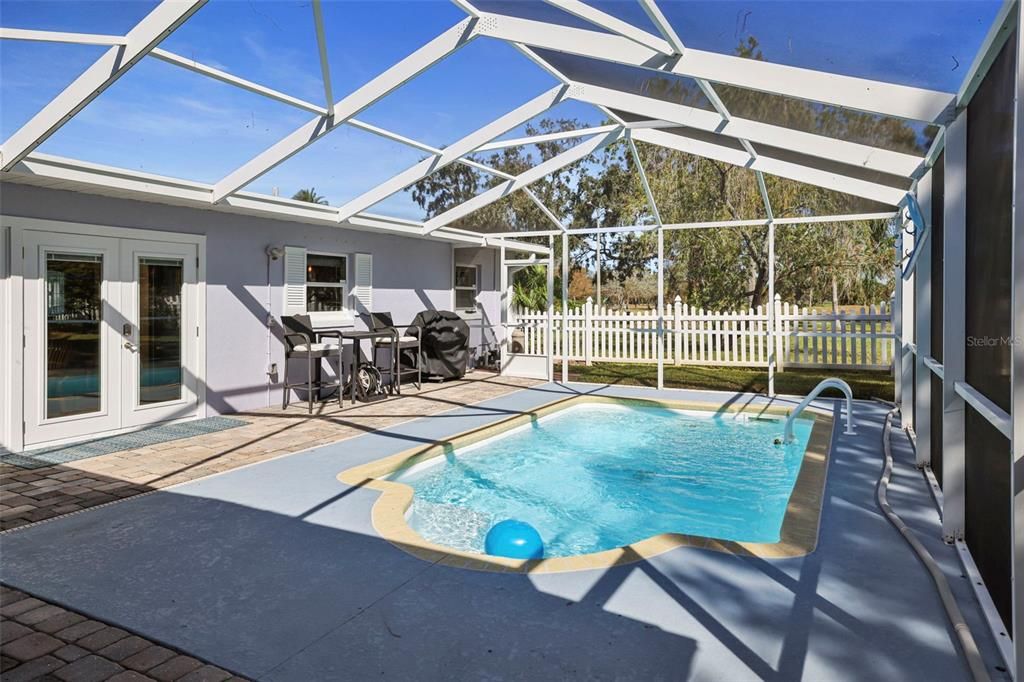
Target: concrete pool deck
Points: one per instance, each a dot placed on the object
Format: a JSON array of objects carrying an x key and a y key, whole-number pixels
[{"x": 274, "y": 571}]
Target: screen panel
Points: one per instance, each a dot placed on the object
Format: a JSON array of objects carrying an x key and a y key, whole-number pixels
[
  {"x": 987, "y": 299},
  {"x": 909, "y": 137},
  {"x": 987, "y": 506},
  {"x": 989, "y": 230}
]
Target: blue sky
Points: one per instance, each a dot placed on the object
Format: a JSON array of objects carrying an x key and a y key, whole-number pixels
[{"x": 166, "y": 120}]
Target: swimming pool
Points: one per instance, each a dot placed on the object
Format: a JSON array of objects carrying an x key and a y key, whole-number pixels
[{"x": 595, "y": 476}]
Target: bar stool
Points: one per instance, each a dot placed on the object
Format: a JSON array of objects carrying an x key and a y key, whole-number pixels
[{"x": 299, "y": 344}]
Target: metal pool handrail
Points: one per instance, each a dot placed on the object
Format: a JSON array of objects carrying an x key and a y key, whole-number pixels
[{"x": 825, "y": 383}]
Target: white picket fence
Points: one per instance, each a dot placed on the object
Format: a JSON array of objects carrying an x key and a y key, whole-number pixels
[{"x": 804, "y": 337}]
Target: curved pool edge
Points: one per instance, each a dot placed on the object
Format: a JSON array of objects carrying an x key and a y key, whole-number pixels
[{"x": 798, "y": 535}]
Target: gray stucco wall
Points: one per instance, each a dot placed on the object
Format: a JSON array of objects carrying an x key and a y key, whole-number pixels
[
  {"x": 485, "y": 327},
  {"x": 409, "y": 275}
]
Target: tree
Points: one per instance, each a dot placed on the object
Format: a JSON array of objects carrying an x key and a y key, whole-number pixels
[
  {"x": 709, "y": 268},
  {"x": 310, "y": 196},
  {"x": 580, "y": 285}
]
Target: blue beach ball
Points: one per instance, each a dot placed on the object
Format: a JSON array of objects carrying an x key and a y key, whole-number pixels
[{"x": 514, "y": 539}]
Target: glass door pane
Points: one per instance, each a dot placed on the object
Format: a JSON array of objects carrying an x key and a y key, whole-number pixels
[
  {"x": 73, "y": 334},
  {"x": 160, "y": 342}
]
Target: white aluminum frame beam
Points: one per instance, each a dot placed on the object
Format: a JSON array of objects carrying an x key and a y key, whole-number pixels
[
  {"x": 224, "y": 77},
  {"x": 546, "y": 137},
  {"x": 321, "y": 43},
  {"x": 614, "y": 24},
  {"x": 887, "y": 99},
  {"x": 454, "y": 151},
  {"x": 954, "y": 333},
  {"x": 923, "y": 324},
  {"x": 390, "y": 80},
  {"x": 525, "y": 178},
  {"x": 663, "y": 25},
  {"x": 61, "y": 37},
  {"x": 820, "y": 146},
  {"x": 115, "y": 62},
  {"x": 773, "y": 344},
  {"x": 822, "y": 178},
  {"x": 711, "y": 224},
  {"x": 1017, "y": 368},
  {"x": 270, "y": 93},
  {"x": 660, "y": 261}
]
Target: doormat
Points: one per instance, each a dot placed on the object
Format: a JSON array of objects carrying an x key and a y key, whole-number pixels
[{"x": 62, "y": 454}]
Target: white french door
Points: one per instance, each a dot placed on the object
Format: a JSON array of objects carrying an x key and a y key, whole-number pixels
[{"x": 111, "y": 334}]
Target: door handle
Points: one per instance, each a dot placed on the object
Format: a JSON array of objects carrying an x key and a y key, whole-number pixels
[{"x": 130, "y": 346}]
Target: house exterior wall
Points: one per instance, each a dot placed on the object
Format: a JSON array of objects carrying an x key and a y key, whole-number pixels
[
  {"x": 485, "y": 326},
  {"x": 409, "y": 274}
]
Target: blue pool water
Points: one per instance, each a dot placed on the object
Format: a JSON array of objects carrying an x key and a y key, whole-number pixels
[{"x": 599, "y": 476}]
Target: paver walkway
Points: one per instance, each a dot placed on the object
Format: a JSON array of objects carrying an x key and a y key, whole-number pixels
[
  {"x": 27, "y": 496},
  {"x": 41, "y": 641}
]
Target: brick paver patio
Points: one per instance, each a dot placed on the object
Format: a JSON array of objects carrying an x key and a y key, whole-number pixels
[{"x": 42, "y": 641}]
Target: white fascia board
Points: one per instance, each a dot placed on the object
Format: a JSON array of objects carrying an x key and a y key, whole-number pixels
[
  {"x": 224, "y": 77},
  {"x": 876, "y": 97},
  {"x": 61, "y": 37},
  {"x": 454, "y": 152},
  {"x": 539, "y": 171},
  {"x": 111, "y": 181},
  {"x": 852, "y": 153},
  {"x": 388, "y": 81},
  {"x": 840, "y": 183},
  {"x": 115, "y": 62},
  {"x": 613, "y": 24}
]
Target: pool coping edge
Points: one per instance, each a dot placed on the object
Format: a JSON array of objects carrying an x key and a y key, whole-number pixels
[{"x": 798, "y": 535}]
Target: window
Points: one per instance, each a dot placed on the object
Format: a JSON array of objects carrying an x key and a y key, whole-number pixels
[
  {"x": 325, "y": 282},
  {"x": 466, "y": 288}
]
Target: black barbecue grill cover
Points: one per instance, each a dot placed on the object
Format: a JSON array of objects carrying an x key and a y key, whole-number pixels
[{"x": 445, "y": 343}]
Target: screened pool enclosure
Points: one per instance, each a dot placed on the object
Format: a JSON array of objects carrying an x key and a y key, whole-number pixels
[{"x": 637, "y": 75}]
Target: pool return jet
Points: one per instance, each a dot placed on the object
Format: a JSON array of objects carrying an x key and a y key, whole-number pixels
[{"x": 825, "y": 383}]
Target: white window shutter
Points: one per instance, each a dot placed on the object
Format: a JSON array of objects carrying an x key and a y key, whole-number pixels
[
  {"x": 363, "y": 289},
  {"x": 294, "y": 280}
]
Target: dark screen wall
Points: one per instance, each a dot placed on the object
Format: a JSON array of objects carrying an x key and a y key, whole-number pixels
[
  {"x": 937, "y": 244},
  {"x": 988, "y": 326}
]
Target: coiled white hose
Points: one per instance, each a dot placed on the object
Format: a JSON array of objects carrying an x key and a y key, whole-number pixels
[{"x": 963, "y": 633}]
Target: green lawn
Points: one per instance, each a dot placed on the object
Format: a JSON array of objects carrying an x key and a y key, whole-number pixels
[{"x": 747, "y": 379}]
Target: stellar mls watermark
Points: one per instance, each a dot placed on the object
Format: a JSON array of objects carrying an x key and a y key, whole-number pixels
[{"x": 994, "y": 341}]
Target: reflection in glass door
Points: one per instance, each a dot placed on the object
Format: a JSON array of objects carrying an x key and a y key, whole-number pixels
[
  {"x": 72, "y": 357},
  {"x": 160, "y": 331},
  {"x": 161, "y": 282},
  {"x": 73, "y": 334}
]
